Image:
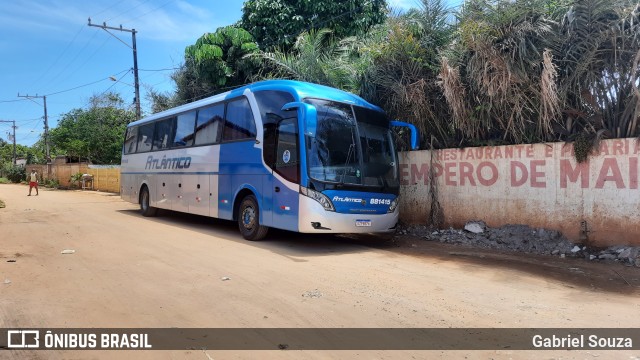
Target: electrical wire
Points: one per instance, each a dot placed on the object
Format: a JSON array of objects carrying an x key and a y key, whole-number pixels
[
  {"x": 73, "y": 60},
  {"x": 84, "y": 85},
  {"x": 93, "y": 54},
  {"x": 126, "y": 11},
  {"x": 11, "y": 101},
  {"x": 110, "y": 7},
  {"x": 156, "y": 70},
  {"x": 59, "y": 57},
  {"x": 116, "y": 82},
  {"x": 149, "y": 12}
]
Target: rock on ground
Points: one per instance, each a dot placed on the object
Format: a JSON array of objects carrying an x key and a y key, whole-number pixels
[{"x": 522, "y": 238}]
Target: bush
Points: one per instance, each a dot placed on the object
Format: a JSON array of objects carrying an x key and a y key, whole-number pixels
[
  {"x": 4, "y": 180},
  {"x": 52, "y": 183},
  {"x": 75, "y": 179},
  {"x": 15, "y": 174}
]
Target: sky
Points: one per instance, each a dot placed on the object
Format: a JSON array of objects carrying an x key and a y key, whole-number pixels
[{"x": 47, "y": 48}]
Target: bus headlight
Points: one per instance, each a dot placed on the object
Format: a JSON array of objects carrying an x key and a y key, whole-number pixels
[
  {"x": 394, "y": 205},
  {"x": 319, "y": 197}
]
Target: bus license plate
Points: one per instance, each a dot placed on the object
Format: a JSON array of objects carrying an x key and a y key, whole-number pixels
[{"x": 363, "y": 223}]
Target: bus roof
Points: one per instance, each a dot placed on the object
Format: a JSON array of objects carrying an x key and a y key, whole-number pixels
[{"x": 299, "y": 89}]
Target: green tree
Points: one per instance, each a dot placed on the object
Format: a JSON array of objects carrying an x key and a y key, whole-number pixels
[
  {"x": 94, "y": 133},
  {"x": 32, "y": 154},
  {"x": 216, "y": 62},
  {"x": 277, "y": 23},
  {"x": 160, "y": 101},
  {"x": 598, "y": 60},
  {"x": 317, "y": 57},
  {"x": 403, "y": 76},
  {"x": 544, "y": 70},
  {"x": 499, "y": 77}
]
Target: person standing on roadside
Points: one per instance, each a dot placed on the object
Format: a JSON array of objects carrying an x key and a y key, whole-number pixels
[{"x": 33, "y": 181}]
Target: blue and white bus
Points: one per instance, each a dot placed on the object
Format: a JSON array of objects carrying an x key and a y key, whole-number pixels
[{"x": 284, "y": 154}]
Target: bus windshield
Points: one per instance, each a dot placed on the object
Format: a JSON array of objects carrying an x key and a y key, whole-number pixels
[{"x": 351, "y": 145}]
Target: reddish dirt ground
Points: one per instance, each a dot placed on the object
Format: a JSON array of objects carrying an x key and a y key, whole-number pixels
[{"x": 131, "y": 271}]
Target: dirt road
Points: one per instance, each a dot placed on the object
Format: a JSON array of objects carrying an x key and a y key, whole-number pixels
[{"x": 130, "y": 271}]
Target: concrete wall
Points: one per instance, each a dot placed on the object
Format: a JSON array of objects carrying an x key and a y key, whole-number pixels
[
  {"x": 105, "y": 178},
  {"x": 539, "y": 185}
]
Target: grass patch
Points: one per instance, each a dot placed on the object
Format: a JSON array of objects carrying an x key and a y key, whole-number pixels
[
  {"x": 1, "y": 204},
  {"x": 4, "y": 181}
]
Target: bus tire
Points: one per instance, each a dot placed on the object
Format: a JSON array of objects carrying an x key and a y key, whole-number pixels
[
  {"x": 146, "y": 209},
  {"x": 249, "y": 219}
]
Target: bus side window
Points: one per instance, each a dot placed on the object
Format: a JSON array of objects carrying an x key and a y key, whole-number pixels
[
  {"x": 239, "y": 123},
  {"x": 270, "y": 103},
  {"x": 145, "y": 137},
  {"x": 164, "y": 132},
  {"x": 185, "y": 126},
  {"x": 209, "y": 124},
  {"x": 131, "y": 140},
  {"x": 287, "y": 149}
]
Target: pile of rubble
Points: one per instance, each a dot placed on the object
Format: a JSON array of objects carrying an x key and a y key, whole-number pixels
[{"x": 522, "y": 238}]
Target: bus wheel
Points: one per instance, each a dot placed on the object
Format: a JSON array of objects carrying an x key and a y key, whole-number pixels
[
  {"x": 145, "y": 208},
  {"x": 249, "y": 219}
]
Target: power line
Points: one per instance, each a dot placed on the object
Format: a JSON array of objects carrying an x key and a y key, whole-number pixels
[
  {"x": 58, "y": 58},
  {"x": 69, "y": 45},
  {"x": 81, "y": 86},
  {"x": 149, "y": 12},
  {"x": 110, "y": 7},
  {"x": 72, "y": 61},
  {"x": 93, "y": 54},
  {"x": 167, "y": 69},
  {"x": 115, "y": 83},
  {"x": 28, "y": 121},
  {"x": 126, "y": 11},
  {"x": 31, "y": 133},
  {"x": 11, "y": 101}
]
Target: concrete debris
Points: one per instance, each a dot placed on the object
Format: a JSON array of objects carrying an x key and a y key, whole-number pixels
[
  {"x": 476, "y": 227},
  {"x": 624, "y": 253},
  {"x": 522, "y": 238},
  {"x": 224, "y": 278},
  {"x": 7, "y": 281},
  {"x": 68, "y": 252}
]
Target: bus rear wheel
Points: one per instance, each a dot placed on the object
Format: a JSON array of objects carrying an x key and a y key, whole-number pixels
[
  {"x": 249, "y": 219},
  {"x": 145, "y": 208}
]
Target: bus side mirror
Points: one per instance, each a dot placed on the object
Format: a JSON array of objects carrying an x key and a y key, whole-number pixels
[
  {"x": 414, "y": 132},
  {"x": 308, "y": 112}
]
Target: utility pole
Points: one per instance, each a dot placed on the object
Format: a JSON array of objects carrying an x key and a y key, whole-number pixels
[
  {"x": 135, "y": 57},
  {"x": 14, "y": 138},
  {"x": 46, "y": 123}
]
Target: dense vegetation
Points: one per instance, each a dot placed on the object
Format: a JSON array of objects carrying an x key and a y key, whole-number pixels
[
  {"x": 491, "y": 72},
  {"x": 95, "y": 133}
]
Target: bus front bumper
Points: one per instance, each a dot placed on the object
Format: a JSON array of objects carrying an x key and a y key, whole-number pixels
[{"x": 315, "y": 219}]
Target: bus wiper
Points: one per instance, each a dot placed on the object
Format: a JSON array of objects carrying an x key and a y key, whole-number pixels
[{"x": 352, "y": 150}]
